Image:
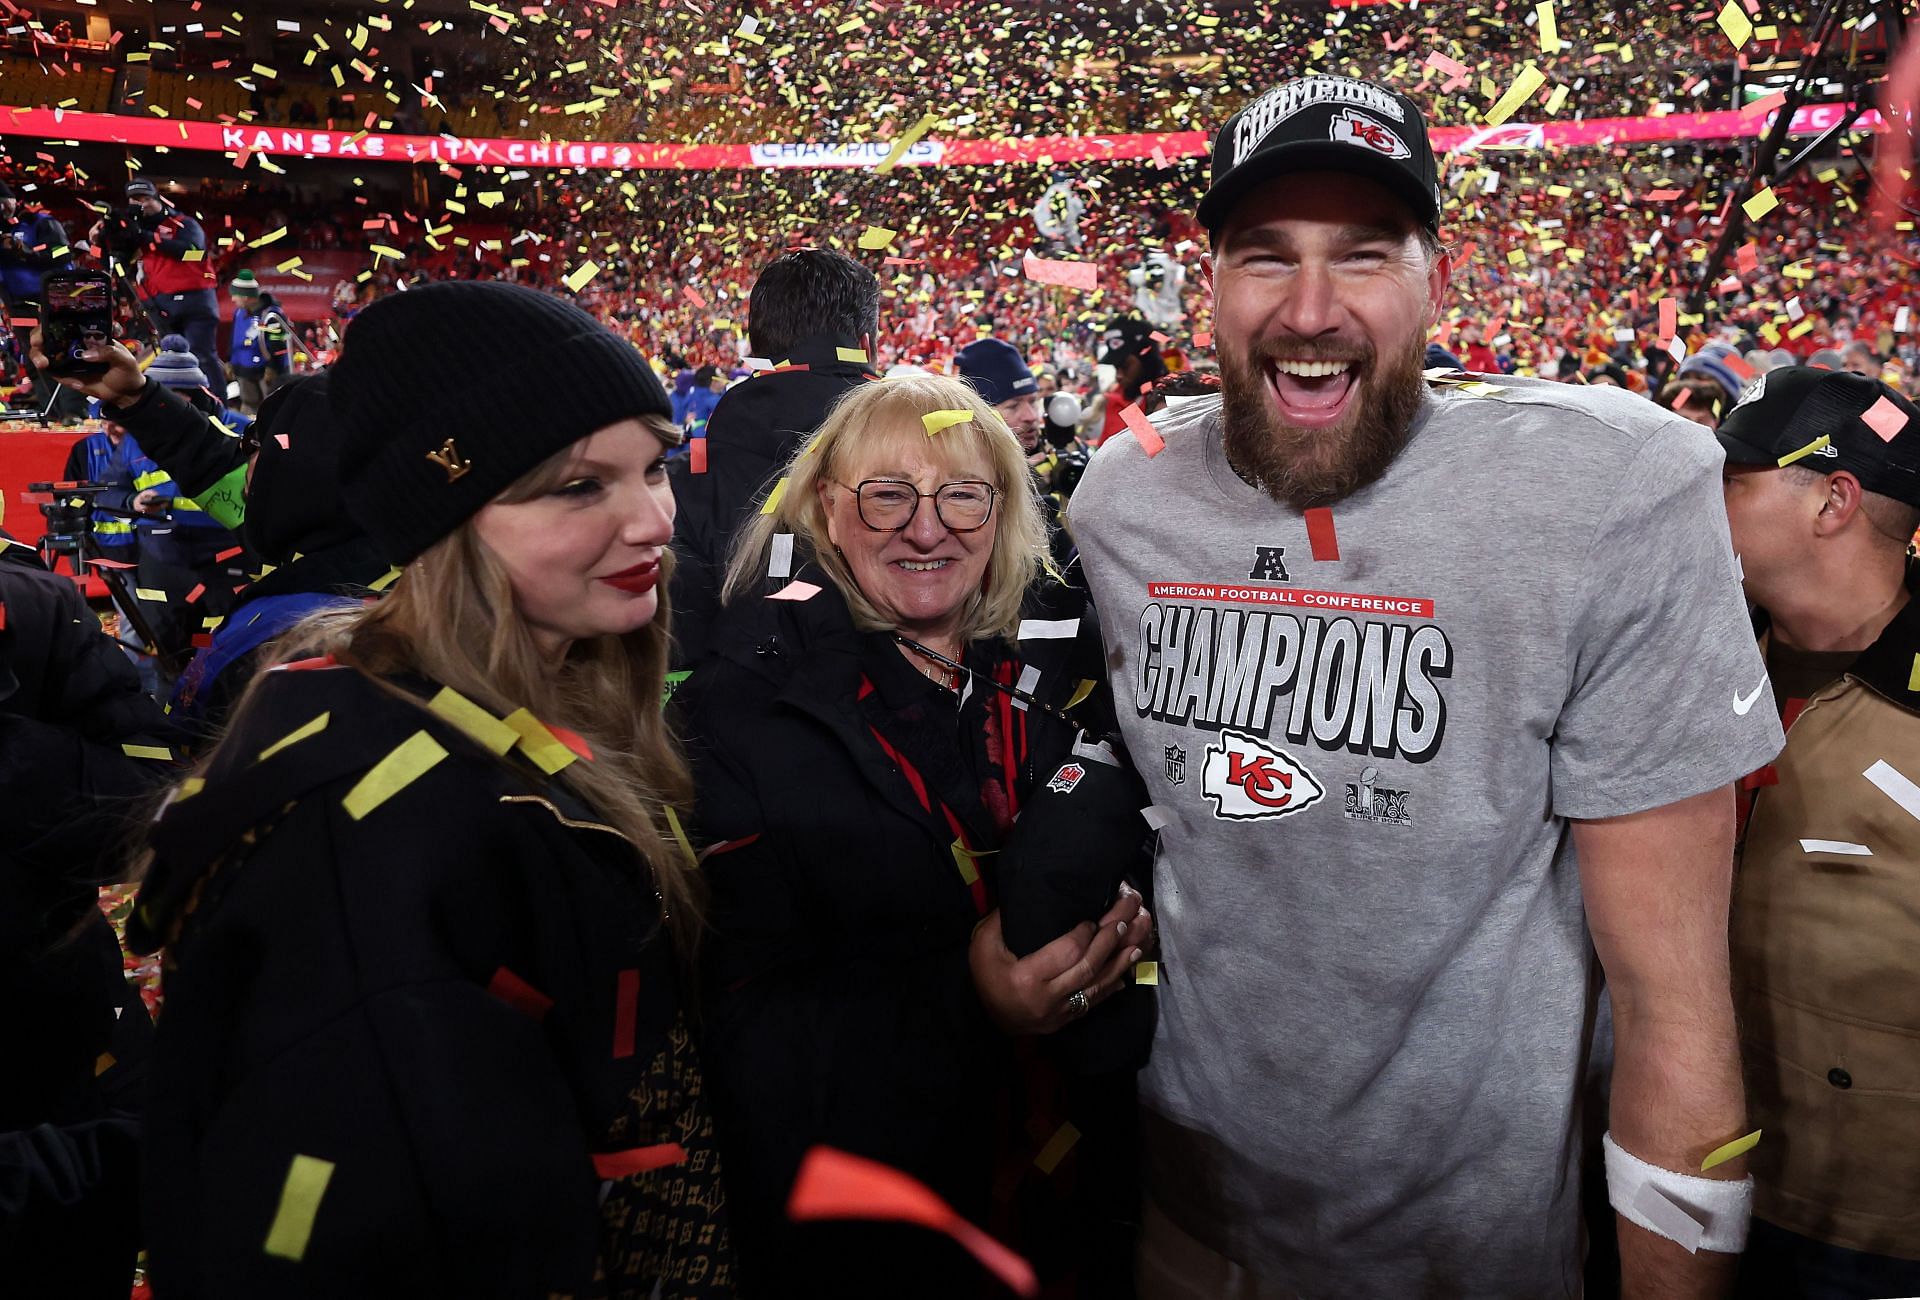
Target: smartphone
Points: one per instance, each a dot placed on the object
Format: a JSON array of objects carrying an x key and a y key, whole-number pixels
[{"x": 76, "y": 313}]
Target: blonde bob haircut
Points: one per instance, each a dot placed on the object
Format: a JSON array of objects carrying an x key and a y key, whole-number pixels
[
  {"x": 863, "y": 432},
  {"x": 450, "y": 618}
]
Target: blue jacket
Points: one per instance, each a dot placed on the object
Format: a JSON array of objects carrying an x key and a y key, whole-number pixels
[
  {"x": 700, "y": 404},
  {"x": 130, "y": 471},
  {"x": 21, "y": 273},
  {"x": 262, "y": 337}
]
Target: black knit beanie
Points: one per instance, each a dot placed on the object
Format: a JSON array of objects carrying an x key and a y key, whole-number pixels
[{"x": 447, "y": 393}]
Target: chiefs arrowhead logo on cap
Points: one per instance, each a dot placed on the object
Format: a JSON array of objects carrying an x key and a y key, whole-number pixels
[{"x": 1352, "y": 126}]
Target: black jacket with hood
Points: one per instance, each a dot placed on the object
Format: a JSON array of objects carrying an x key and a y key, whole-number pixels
[
  {"x": 295, "y": 523},
  {"x": 751, "y": 436},
  {"x": 83, "y": 752}
]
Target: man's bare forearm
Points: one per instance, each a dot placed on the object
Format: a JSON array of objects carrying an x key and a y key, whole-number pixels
[{"x": 1676, "y": 1097}]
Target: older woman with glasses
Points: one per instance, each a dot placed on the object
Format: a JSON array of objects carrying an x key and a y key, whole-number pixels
[{"x": 887, "y": 684}]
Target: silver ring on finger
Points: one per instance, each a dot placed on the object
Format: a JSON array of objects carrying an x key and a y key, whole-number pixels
[{"x": 1079, "y": 1002}]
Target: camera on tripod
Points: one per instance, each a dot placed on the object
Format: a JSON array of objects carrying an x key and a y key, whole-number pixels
[{"x": 70, "y": 514}]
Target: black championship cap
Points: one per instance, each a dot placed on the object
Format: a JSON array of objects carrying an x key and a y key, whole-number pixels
[
  {"x": 1324, "y": 123},
  {"x": 1127, "y": 336},
  {"x": 1828, "y": 420}
]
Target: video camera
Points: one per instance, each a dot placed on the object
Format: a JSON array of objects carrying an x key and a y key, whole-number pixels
[
  {"x": 70, "y": 514},
  {"x": 121, "y": 230}
]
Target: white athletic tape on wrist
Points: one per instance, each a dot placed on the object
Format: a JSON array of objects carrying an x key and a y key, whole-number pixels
[{"x": 1698, "y": 1213}]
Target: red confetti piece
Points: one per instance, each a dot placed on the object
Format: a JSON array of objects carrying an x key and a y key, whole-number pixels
[
  {"x": 1072, "y": 275},
  {"x": 199, "y": 590},
  {"x": 835, "y": 1185},
  {"x": 572, "y": 740},
  {"x": 1203, "y": 340},
  {"x": 309, "y": 665},
  {"x": 1320, "y": 534},
  {"x": 518, "y": 994},
  {"x": 728, "y": 846},
  {"x": 228, "y": 554},
  {"x": 1143, "y": 431},
  {"x": 1884, "y": 418},
  {"x": 1669, "y": 318},
  {"x": 694, "y": 296},
  {"x": 697, "y": 456},
  {"x": 102, "y": 563},
  {"x": 638, "y": 1160},
  {"x": 626, "y": 1005}
]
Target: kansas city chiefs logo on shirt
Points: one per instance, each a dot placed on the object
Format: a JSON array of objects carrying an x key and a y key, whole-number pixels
[
  {"x": 1355, "y": 127},
  {"x": 1248, "y": 778}
]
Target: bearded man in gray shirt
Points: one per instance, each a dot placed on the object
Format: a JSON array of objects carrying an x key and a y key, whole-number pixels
[{"x": 1440, "y": 685}]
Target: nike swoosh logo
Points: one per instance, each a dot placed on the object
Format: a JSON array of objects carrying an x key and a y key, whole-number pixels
[{"x": 1741, "y": 706}]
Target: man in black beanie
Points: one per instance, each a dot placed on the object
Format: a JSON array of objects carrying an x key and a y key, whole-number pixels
[{"x": 279, "y": 486}]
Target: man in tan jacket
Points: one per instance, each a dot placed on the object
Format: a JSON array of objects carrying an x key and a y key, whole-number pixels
[{"x": 1823, "y": 493}]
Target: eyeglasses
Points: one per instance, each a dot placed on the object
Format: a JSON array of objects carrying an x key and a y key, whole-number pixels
[{"x": 888, "y": 505}]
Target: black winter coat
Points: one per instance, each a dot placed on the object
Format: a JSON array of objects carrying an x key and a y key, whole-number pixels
[
  {"x": 840, "y": 1007},
  {"x": 75, "y": 1032},
  {"x": 751, "y": 436},
  {"x": 453, "y": 1006}
]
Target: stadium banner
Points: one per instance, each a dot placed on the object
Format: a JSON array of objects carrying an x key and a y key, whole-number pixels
[{"x": 241, "y": 142}]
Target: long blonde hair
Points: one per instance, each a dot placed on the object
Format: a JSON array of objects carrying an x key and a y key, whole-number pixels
[
  {"x": 450, "y": 617},
  {"x": 869, "y": 418}
]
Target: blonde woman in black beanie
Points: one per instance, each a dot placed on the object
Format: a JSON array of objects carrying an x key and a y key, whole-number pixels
[{"x": 426, "y": 907}]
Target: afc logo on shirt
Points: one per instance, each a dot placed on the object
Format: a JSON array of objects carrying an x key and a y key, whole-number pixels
[{"x": 1269, "y": 565}]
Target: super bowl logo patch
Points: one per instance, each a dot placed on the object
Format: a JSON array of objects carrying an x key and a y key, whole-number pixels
[
  {"x": 1351, "y": 126},
  {"x": 1246, "y": 778},
  {"x": 1066, "y": 778}
]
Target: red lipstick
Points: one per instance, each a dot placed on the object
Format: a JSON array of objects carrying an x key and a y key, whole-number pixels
[{"x": 638, "y": 580}]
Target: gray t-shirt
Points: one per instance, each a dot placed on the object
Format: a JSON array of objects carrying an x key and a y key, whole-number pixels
[{"x": 1377, "y": 989}]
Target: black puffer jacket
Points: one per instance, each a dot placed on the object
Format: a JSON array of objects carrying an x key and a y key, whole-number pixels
[
  {"x": 71, "y": 796},
  {"x": 751, "y": 436},
  {"x": 840, "y": 1007},
  {"x": 439, "y": 1011}
]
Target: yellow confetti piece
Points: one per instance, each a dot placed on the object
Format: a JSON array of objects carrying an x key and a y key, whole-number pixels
[
  {"x": 1807, "y": 450},
  {"x": 906, "y": 142},
  {"x": 102, "y": 1064},
  {"x": 151, "y": 593},
  {"x": 577, "y": 279},
  {"x": 1738, "y": 1147},
  {"x": 1080, "y": 692},
  {"x": 855, "y": 355},
  {"x": 1056, "y": 1148},
  {"x": 680, "y": 834},
  {"x": 388, "y": 251},
  {"x": 295, "y": 736},
  {"x": 1761, "y": 204},
  {"x": 384, "y": 581},
  {"x": 306, "y": 1183},
  {"x": 193, "y": 785},
  {"x": 1734, "y": 22},
  {"x": 487, "y": 731},
  {"x": 1146, "y": 972},
  {"x": 148, "y": 751},
  {"x": 1549, "y": 32},
  {"x": 876, "y": 237},
  {"x": 775, "y": 497},
  {"x": 194, "y": 255},
  {"x": 935, "y": 421},
  {"x": 546, "y": 750},
  {"x": 409, "y": 761},
  {"x": 268, "y": 238},
  {"x": 1524, "y": 87},
  {"x": 963, "y": 859},
  {"x": 1913, "y": 678}
]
